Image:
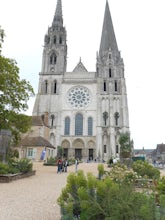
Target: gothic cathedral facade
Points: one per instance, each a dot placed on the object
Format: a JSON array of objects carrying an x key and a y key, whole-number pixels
[{"x": 86, "y": 111}]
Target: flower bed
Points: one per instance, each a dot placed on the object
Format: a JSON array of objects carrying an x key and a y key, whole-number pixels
[{"x": 6, "y": 178}]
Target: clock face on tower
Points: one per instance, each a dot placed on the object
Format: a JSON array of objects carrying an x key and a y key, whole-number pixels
[{"x": 78, "y": 97}]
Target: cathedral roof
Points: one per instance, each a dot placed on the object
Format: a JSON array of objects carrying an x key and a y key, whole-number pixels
[
  {"x": 108, "y": 39},
  {"x": 80, "y": 67},
  {"x": 58, "y": 20}
]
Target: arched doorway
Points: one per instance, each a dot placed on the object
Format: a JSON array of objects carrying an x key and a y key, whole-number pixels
[
  {"x": 65, "y": 145},
  {"x": 78, "y": 146},
  {"x": 91, "y": 150}
]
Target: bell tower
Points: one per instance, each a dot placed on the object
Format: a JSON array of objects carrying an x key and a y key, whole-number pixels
[
  {"x": 55, "y": 48},
  {"x": 54, "y": 62},
  {"x": 112, "y": 106}
]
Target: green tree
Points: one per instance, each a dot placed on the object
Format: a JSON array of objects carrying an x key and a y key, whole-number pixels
[
  {"x": 60, "y": 151},
  {"x": 125, "y": 145},
  {"x": 14, "y": 95}
]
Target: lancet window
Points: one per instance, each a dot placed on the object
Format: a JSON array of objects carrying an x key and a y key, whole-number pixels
[
  {"x": 67, "y": 126},
  {"x": 53, "y": 58},
  {"x": 79, "y": 124}
]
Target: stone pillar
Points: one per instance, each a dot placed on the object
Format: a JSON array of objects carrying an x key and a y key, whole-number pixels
[
  {"x": 5, "y": 137},
  {"x": 99, "y": 141},
  {"x": 112, "y": 143}
]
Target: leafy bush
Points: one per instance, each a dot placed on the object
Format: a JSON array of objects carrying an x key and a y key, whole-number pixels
[
  {"x": 12, "y": 153},
  {"x": 120, "y": 174},
  {"x": 4, "y": 168},
  {"x": 100, "y": 170},
  {"x": 51, "y": 160},
  {"x": 161, "y": 186},
  {"x": 145, "y": 170},
  {"x": 22, "y": 165}
]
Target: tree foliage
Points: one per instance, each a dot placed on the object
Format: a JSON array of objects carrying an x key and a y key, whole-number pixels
[
  {"x": 1, "y": 37},
  {"x": 14, "y": 95},
  {"x": 125, "y": 145},
  {"x": 89, "y": 198}
]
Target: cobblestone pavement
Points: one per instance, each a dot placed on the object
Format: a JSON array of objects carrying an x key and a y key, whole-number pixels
[{"x": 34, "y": 198}]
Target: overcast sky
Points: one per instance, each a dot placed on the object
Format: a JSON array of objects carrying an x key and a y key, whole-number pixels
[{"x": 140, "y": 32}]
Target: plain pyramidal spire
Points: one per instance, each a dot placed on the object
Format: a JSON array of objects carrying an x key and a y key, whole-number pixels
[
  {"x": 108, "y": 39},
  {"x": 58, "y": 20}
]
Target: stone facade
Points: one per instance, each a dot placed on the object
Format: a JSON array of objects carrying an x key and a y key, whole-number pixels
[{"x": 86, "y": 111}]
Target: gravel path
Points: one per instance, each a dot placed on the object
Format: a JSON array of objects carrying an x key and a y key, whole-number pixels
[{"x": 34, "y": 198}]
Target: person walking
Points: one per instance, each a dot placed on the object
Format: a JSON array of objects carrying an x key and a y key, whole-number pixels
[
  {"x": 59, "y": 165},
  {"x": 65, "y": 165},
  {"x": 76, "y": 165}
]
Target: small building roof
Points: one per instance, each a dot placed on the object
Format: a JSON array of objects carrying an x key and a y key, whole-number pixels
[
  {"x": 36, "y": 141},
  {"x": 37, "y": 121}
]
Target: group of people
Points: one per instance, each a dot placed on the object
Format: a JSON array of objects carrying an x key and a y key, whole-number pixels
[{"x": 62, "y": 165}]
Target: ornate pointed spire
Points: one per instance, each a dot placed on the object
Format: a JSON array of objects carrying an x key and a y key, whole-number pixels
[
  {"x": 108, "y": 39},
  {"x": 58, "y": 20}
]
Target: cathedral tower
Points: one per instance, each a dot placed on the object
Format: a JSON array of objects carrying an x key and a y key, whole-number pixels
[
  {"x": 86, "y": 111},
  {"x": 112, "y": 96}
]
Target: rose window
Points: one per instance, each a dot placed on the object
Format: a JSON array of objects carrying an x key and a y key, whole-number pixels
[{"x": 78, "y": 97}]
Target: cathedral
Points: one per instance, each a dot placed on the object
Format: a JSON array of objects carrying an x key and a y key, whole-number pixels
[{"x": 85, "y": 111}]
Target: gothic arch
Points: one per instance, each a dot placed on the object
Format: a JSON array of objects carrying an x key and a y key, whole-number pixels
[
  {"x": 78, "y": 143},
  {"x": 53, "y": 58},
  {"x": 53, "y": 54},
  {"x": 91, "y": 144},
  {"x": 65, "y": 144}
]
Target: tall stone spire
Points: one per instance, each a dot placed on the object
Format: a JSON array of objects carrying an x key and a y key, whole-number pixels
[
  {"x": 108, "y": 39},
  {"x": 58, "y": 20}
]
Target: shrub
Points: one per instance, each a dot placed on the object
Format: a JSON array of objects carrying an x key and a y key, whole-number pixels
[
  {"x": 120, "y": 174},
  {"x": 4, "y": 168},
  {"x": 146, "y": 170},
  {"x": 100, "y": 170},
  {"x": 12, "y": 153},
  {"x": 22, "y": 165},
  {"x": 161, "y": 186},
  {"x": 87, "y": 198},
  {"x": 51, "y": 160}
]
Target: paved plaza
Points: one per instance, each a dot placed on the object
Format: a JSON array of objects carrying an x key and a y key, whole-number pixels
[{"x": 34, "y": 198}]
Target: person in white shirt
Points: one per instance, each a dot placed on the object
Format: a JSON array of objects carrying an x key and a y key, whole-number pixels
[{"x": 76, "y": 165}]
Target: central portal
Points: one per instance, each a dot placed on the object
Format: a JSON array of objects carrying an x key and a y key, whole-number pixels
[
  {"x": 90, "y": 154},
  {"x": 78, "y": 154}
]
